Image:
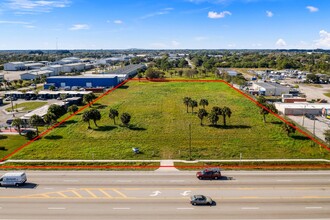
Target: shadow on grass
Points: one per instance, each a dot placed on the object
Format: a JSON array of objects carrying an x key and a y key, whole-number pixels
[
  {"x": 276, "y": 122},
  {"x": 70, "y": 122},
  {"x": 99, "y": 106},
  {"x": 135, "y": 128},
  {"x": 230, "y": 126},
  {"x": 3, "y": 148},
  {"x": 3, "y": 137},
  {"x": 53, "y": 137},
  {"x": 123, "y": 87},
  {"x": 298, "y": 137},
  {"x": 105, "y": 128}
]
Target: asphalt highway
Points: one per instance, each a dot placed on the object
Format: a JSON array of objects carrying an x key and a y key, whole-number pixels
[{"x": 165, "y": 195}]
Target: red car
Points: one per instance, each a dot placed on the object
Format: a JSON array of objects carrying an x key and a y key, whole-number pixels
[{"x": 209, "y": 173}]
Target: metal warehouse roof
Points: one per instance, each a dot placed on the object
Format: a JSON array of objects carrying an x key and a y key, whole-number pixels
[
  {"x": 269, "y": 85},
  {"x": 304, "y": 105},
  {"x": 83, "y": 76}
]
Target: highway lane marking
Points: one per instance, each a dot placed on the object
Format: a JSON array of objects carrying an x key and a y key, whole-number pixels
[
  {"x": 71, "y": 180},
  {"x": 90, "y": 193},
  {"x": 250, "y": 208},
  {"x": 120, "y": 193},
  {"x": 56, "y": 208},
  {"x": 124, "y": 181},
  {"x": 71, "y": 188},
  {"x": 313, "y": 207},
  {"x": 176, "y": 181},
  {"x": 284, "y": 180},
  {"x": 105, "y": 193},
  {"x": 184, "y": 208},
  {"x": 49, "y": 188},
  {"x": 121, "y": 208},
  {"x": 77, "y": 194}
]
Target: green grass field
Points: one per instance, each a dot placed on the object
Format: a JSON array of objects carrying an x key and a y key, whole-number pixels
[
  {"x": 26, "y": 106},
  {"x": 160, "y": 128}
]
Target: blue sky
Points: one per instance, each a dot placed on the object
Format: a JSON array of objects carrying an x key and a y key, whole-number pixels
[{"x": 164, "y": 24}]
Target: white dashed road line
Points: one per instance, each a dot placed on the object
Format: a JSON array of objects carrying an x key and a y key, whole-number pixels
[
  {"x": 56, "y": 208},
  {"x": 313, "y": 207},
  {"x": 121, "y": 208},
  {"x": 250, "y": 208},
  {"x": 184, "y": 208}
]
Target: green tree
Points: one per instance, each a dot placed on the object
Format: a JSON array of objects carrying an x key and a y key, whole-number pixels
[
  {"x": 213, "y": 118},
  {"x": 217, "y": 110},
  {"x": 36, "y": 121},
  {"x": 73, "y": 108},
  {"x": 86, "y": 117},
  {"x": 201, "y": 114},
  {"x": 50, "y": 118},
  {"x": 88, "y": 98},
  {"x": 125, "y": 118},
  {"x": 17, "y": 122},
  {"x": 113, "y": 114},
  {"x": 186, "y": 101},
  {"x": 57, "y": 110},
  {"x": 225, "y": 112},
  {"x": 288, "y": 128},
  {"x": 192, "y": 104},
  {"x": 204, "y": 102},
  {"x": 95, "y": 115}
]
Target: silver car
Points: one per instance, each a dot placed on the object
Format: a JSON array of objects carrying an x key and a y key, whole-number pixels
[{"x": 200, "y": 200}]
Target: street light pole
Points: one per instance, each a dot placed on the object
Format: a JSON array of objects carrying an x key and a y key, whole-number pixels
[{"x": 190, "y": 142}]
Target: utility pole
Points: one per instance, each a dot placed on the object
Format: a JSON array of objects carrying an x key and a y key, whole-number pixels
[{"x": 190, "y": 141}]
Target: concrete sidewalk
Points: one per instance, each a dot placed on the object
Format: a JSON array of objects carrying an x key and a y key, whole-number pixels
[{"x": 167, "y": 165}]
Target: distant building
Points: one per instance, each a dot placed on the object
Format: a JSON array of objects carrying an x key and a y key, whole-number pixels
[
  {"x": 72, "y": 67},
  {"x": 33, "y": 66},
  {"x": 87, "y": 81},
  {"x": 301, "y": 108},
  {"x": 14, "y": 66},
  {"x": 36, "y": 74},
  {"x": 55, "y": 68},
  {"x": 270, "y": 89}
]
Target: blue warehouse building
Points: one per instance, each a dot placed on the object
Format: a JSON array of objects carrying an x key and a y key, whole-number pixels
[{"x": 89, "y": 81}]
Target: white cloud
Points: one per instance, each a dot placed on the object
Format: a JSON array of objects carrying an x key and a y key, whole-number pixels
[
  {"x": 30, "y": 26},
  {"x": 312, "y": 8},
  {"x": 118, "y": 21},
  {"x": 215, "y": 15},
  {"x": 35, "y": 6},
  {"x": 280, "y": 43},
  {"x": 79, "y": 27},
  {"x": 324, "y": 41},
  {"x": 14, "y": 22},
  {"x": 175, "y": 43},
  {"x": 269, "y": 14},
  {"x": 161, "y": 12}
]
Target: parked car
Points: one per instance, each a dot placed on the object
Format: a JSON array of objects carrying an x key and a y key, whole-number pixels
[
  {"x": 209, "y": 173},
  {"x": 310, "y": 116},
  {"x": 34, "y": 98},
  {"x": 201, "y": 200}
]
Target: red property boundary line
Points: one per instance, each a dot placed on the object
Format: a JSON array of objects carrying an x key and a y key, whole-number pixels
[{"x": 146, "y": 80}]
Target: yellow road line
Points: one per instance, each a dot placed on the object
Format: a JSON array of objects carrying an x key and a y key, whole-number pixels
[
  {"x": 77, "y": 194},
  {"x": 62, "y": 194},
  {"x": 90, "y": 193},
  {"x": 105, "y": 193},
  {"x": 120, "y": 193}
]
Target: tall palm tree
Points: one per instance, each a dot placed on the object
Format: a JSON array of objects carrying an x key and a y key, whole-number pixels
[
  {"x": 36, "y": 121},
  {"x": 186, "y": 101},
  {"x": 204, "y": 102},
  {"x": 201, "y": 114},
  {"x": 289, "y": 129},
  {"x": 113, "y": 114},
  {"x": 192, "y": 104},
  {"x": 17, "y": 122},
  {"x": 225, "y": 112},
  {"x": 217, "y": 110},
  {"x": 213, "y": 118},
  {"x": 125, "y": 118}
]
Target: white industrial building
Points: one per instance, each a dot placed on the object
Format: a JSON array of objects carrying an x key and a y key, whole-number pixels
[
  {"x": 68, "y": 68},
  {"x": 33, "y": 66},
  {"x": 69, "y": 60},
  {"x": 301, "y": 108},
  {"x": 270, "y": 89},
  {"x": 14, "y": 66},
  {"x": 55, "y": 68},
  {"x": 36, "y": 74}
]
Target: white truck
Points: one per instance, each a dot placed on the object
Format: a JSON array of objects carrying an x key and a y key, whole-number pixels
[{"x": 13, "y": 179}]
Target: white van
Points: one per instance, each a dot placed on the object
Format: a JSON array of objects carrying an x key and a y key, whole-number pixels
[{"x": 13, "y": 179}]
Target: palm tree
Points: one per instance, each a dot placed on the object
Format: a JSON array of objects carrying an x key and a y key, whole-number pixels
[
  {"x": 125, "y": 118},
  {"x": 192, "y": 104},
  {"x": 86, "y": 117},
  {"x": 50, "y": 118},
  {"x": 267, "y": 108},
  {"x": 17, "y": 122},
  {"x": 225, "y": 112},
  {"x": 95, "y": 115},
  {"x": 217, "y": 110},
  {"x": 36, "y": 121},
  {"x": 113, "y": 114},
  {"x": 186, "y": 101},
  {"x": 201, "y": 114},
  {"x": 213, "y": 118},
  {"x": 204, "y": 102}
]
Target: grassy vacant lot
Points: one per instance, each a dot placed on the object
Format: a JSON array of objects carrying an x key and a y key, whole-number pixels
[
  {"x": 26, "y": 106},
  {"x": 8, "y": 143},
  {"x": 160, "y": 128}
]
